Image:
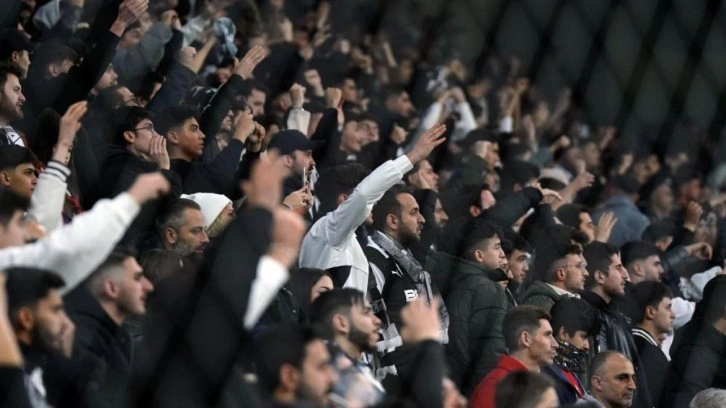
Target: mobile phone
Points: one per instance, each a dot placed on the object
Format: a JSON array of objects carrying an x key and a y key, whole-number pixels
[{"x": 305, "y": 176}]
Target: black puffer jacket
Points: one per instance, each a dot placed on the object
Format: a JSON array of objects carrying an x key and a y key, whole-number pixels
[{"x": 477, "y": 306}]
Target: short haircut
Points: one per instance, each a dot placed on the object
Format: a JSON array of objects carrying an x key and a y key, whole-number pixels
[
  {"x": 279, "y": 346},
  {"x": 253, "y": 84},
  {"x": 465, "y": 197},
  {"x": 26, "y": 286},
  {"x": 598, "y": 362},
  {"x": 159, "y": 264},
  {"x": 388, "y": 204},
  {"x": 128, "y": 119},
  {"x": 597, "y": 255},
  {"x": 327, "y": 305},
  {"x": 174, "y": 117},
  {"x": 712, "y": 305},
  {"x": 519, "y": 243},
  {"x": 573, "y": 314},
  {"x": 521, "y": 389},
  {"x": 8, "y": 68},
  {"x": 51, "y": 52},
  {"x": 301, "y": 283},
  {"x": 518, "y": 172},
  {"x": 480, "y": 234},
  {"x": 392, "y": 90},
  {"x": 12, "y": 156},
  {"x": 117, "y": 257},
  {"x": 173, "y": 214},
  {"x": 709, "y": 398},
  {"x": 637, "y": 251},
  {"x": 551, "y": 184},
  {"x": 521, "y": 318},
  {"x": 644, "y": 294},
  {"x": 569, "y": 214},
  {"x": 10, "y": 203},
  {"x": 336, "y": 180},
  {"x": 659, "y": 230},
  {"x": 550, "y": 259}
]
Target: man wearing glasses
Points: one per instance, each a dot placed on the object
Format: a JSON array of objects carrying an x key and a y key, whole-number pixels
[{"x": 565, "y": 276}]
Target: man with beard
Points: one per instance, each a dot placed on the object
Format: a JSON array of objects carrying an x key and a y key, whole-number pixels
[
  {"x": 397, "y": 278},
  {"x": 182, "y": 228},
  {"x": 115, "y": 292},
  {"x": 347, "y": 320},
  {"x": 612, "y": 383},
  {"x": 11, "y": 104},
  {"x": 35, "y": 308},
  {"x": 296, "y": 151}
]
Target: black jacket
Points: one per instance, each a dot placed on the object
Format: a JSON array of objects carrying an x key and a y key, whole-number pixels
[
  {"x": 217, "y": 177},
  {"x": 654, "y": 362},
  {"x": 477, "y": 306},
  {"x": 566, "y": 392},
  {"x": 614, "y": 334},
  {"x": 98, "y": 336},
  {"x": 698, "y": 361}
]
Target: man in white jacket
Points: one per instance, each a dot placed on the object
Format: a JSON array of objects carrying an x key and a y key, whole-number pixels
[{"x": 331, "y": 243}]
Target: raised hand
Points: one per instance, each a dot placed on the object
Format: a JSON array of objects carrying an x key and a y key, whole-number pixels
[
  {"x": 288, "y": 229},
  {"x": 427, "y": 143},
  {"x": 605, "y": 227},
  {"x": 245, "y": 126},
  {"x": 129, "y": 11},
  {"x": 149, "y": 186},
  {"x": 421, "y": 321},
  {"x": 158, "y": 152},
  {"x": 297, "y": 94},
  {"x": 264, "y": 187},
  {"x": 333, "y": 97},
  {"x": 70, "y": 123},
  {"x": 398, "y": 135},
  {"x": 249, "y": 62},
  {"x": 700, "y": 250},
  {"x": 299, "y": 201},
  {"x": 257, "y": 139}
]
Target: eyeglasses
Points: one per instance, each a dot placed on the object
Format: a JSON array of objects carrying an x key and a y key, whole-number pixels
[
  {"x": 579, "y": 265},
  {"x": 149, "y": 127}
]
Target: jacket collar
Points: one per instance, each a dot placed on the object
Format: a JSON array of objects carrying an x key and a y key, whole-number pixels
[
  {"x": 638, "y": 332},
  {"x": 80, "y": 301}
]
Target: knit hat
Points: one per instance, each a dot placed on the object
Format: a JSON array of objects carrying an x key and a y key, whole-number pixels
[{"x": 212, "y": 205}]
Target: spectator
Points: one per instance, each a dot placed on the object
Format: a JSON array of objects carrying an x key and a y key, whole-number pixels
[
  {"x": 578, "y": 217},
  {"x": 182, "y": 228},
  {"x": 297, "y": 152},
  {"x": 612, "y": 382},
  {"x": 709, "y": 398},
  {"x": 17, "y": 169},
  {"x": 11, "y": 108},
  {"x": 519, "y": 256},
  {"x": 16, "y": 48},
  {"x": 573, "y": 322},
  {"x": 631, "y": 222},
  {"x": 565, "y": 276},
  {"x": 476, "y": 304},
  {"x": 529, "y": 338},
  {"x": 521, "y": 389},
  {"x": 306, "y": 285},
  {"x": 651, "y": 313},
  {"x": 217, "y": 210}
]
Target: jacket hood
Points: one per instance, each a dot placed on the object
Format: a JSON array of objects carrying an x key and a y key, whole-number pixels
[{"x": 83, "y": 306}]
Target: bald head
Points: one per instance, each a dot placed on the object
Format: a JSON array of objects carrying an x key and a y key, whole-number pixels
[{"x": 612, "y": 380}]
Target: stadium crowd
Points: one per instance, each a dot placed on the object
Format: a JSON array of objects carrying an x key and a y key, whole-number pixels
[{"x": 230, "y": 203}]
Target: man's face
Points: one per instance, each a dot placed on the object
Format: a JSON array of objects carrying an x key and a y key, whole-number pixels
[
  {"x": 371, "y": 131},
  {"x": 614, "y": 284},
  {"x": 192, "y": 236},
  {"x": 14, "y": 233},
  {"x": 131, "y": 37},
  {"x": 591, "y": 155},
  {"x": 429, "y": 175},
  {"x": 49, "y": 322},
  {"x": 587, "y": 226},
  {"x": 664, "y": 316},
  {"x": 108, "y": 79},
  {"x": 401, "y": 104},
  {"x": 318, "y": 374},
  {"x": 410, "y": 220},
  {"x": 363, "y": 327},
  {"x": 134, "y": 288},
  {"x": 440, "y": 216},
  {"x": 143, "y": 134},
  {"x": 575, "y": 273},
  {"x": 350, "y": 91},
  {"x": 128, "y": 97},
  {"x": 653, "y": 268},
  {"x": 492, "y": 157},
  {"x": 12, "y": 99},
  {"x": 302, "y": 161},
  {"x": 491, "y": 254},
  {"x": 663, "y": 198},
  {"x": 543, "y": 346},
  {"x": 21, "y": 179},
  {"x": 615, "y": 386},
  {"x": 190, "y": 138},
  {"x": 22, "y": 60},
  {"x": 352, "y": 139},
  {"x": 580, "y": 339},
  {"x": 518, "y": 262},
  {"x": 256, "y": 101}
]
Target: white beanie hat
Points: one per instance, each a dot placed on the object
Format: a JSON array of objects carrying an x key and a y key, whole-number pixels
[{"x": 212, "y": 205}]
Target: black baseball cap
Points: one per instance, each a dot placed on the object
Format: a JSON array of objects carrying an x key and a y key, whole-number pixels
[
  {"x": 287, "y": 141},
  {"x": 12, "y": 40}
]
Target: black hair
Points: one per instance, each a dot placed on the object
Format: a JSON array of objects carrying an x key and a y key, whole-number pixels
[
  {"x": 301, "y": 284},
  {"x": 159, "y": 264},
  {"x": 637, "y": 251},
  {"x": 174, "y": 117},
  {"x": 127, "y": 119},
  {"x": 253, "y": 84},
  {"x": 521, "y": 318},
  {"x": 521, "y": 389},
  {"x": 10, "y": 203},
  {"x": 597, "y": 255},
  {"x": 26, "y": 286},
  {"x": 12, "y": 156},
  {"x": 644, "y": 294},
  {"x": 173, "y": 215},
  {"x": 711, "y": 307},
  {"x": 569, "y": 214},
  {"x": 388, "y": 204},
  {"x": 518, "y": 172},
  {"x": 327, "y": 305},
  {"x": 659, "y": 230},
  {"x": 279, "y": 346},
  {"x": 53, "y": 51},
  {"x": 8, "y": 68},
  {"x": 573, "y": 314},
  {"x": 551, "y": 184},
  {"x": 482, "y": 232},
  {"x": 336, "y": 180},
  {"x": 548, "y": 259}
]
